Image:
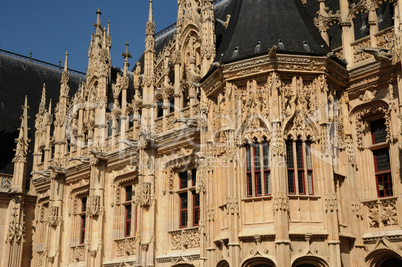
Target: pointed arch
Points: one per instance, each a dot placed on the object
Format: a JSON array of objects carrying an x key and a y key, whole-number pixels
[
  {"x": 259, "y": 261},
  {"x": 255, "y": 128},
  {"x": 222, "y": 263},
  {"x": 301, "y": 125},
  {"x": 378, "y": 257},
  {"x": 310, "y": 260}
]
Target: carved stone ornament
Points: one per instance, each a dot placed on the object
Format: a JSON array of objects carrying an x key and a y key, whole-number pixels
[
  {"x": 169, "y": 173},
  {"x": 278, "y": 145},
  {"x": 389, "y": 213},
  {"x": 53, "y": 215},
  {"x": 16, "y": 232},
  {"x": 185, "y": 239},
  {"x": 331, "y": 205},
  {"x": 361, "y": 123},
  {"x": 95, "y": 208},
  {"x": 202, "y": 172},
  {"x": 232, "y": 205},
  {"x": 145, "y": 194},
  {"x": 126, "y": 247},
  {"x": 400, "y": 132},
  {"x": 78, "y": 254},
  {"x": 281, "y": 203},
  {"x": 373, "y": 214}
]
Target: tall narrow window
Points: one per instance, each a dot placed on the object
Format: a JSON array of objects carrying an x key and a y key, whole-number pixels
[
  {"x": 159, "y": 107},
  {"x": 382, "y": 163},
  {"x": 267, "y": 167},
  {"x": 189, "y": 209},
  {"x": 248, "y": 172},
  {"x": 291, "y": 170},
  {"x": 128, "y": 210},
  {"x": 183, "y": 210},
  {"x": 258, "y": 169},
  {"x": 310, "y": 185},
  {"x": 196, "y": 209},
  {"x": 300, "y": 167},
  {"x": 300, "y": 170},
  {"x": 183, "y": 179},
  {"x": 83, "y": 219}
]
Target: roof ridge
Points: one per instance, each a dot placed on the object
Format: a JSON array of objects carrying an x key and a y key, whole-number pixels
[{"x": 39, "y": 62}]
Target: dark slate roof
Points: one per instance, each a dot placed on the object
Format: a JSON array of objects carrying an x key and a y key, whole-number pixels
[
  {"x": 258, "y": 25},
  {"x": 20, "y": 77}
]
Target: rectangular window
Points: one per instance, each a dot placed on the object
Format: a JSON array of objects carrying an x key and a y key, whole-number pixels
[
  {"x": 183, "y": 179},
  {"x": 84, "y": 204},
  {"x": 129, "y": 193},
  {"x": 248, "y": 173},
  {"x": 82, "y": 230},
  {"x": 194, "y": 176},
  {"x": 300, "y": 168},
  {"x": 183, "y": 210},
  {"x": 257, "y": 170},
  {"x": 267, "y": 171},
  {"x": 310, "y": 185},
  {"x": 383, "y": 172},
  {"x": 378, "y": 131},
  {"x": 291, "y": 171},
  {"x": 196, "y": 209},
  {"x": 127, "y": 223}
]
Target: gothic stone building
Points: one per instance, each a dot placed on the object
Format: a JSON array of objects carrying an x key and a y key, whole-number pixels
[{"x": 250, "y": 133}]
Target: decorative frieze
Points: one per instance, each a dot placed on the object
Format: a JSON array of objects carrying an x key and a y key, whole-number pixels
[
  {"x": 78, "y": 253},
  {"x": 383, "y": 212},
  {"x": 185, "y": 239},
  {"x": 126, "y": 247}
]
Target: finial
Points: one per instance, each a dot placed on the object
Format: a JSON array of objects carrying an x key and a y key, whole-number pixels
[
  {"x": 66, "y": 62},
  {"x": 108, "y": 28}
]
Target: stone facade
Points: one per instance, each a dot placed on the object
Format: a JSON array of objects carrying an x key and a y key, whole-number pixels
[{"x": 275, "y": 159}]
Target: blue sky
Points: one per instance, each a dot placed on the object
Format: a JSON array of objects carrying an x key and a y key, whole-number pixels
[{"x": 50, "y": 28}]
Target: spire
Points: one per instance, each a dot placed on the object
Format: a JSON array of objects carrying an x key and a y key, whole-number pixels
[
  {"x": 150, "y": 24},
  {"x": 66, "y": 62},
  {"x": 22, "y": 140},
  {"x": 64, "y": 88},
  {"x": 108, "y": 28},
  {"x": 42, "y": 104},
  {"x": 126, "y": 56},
  {"x": 150, "y": 11},
  {"x": 98, "y": 24}
]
